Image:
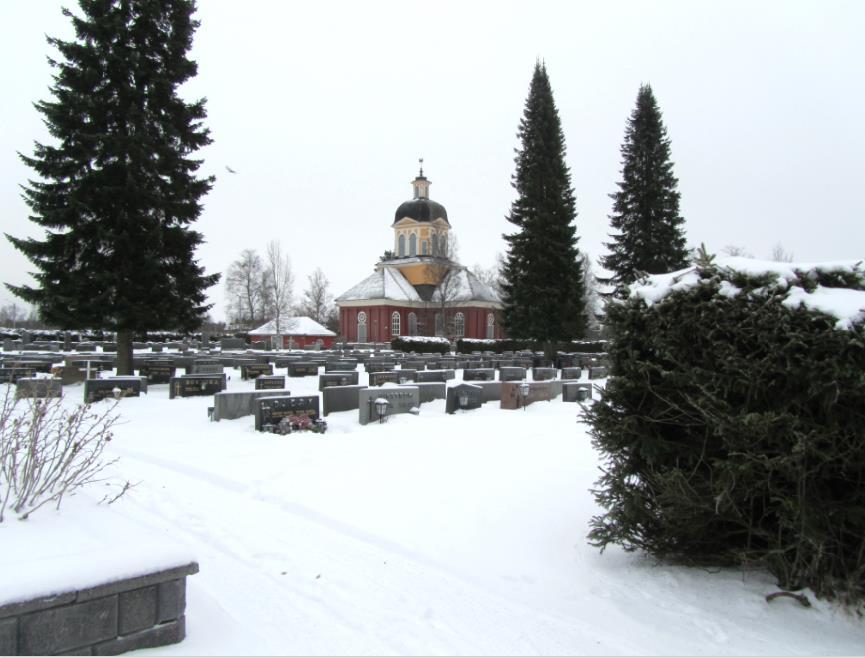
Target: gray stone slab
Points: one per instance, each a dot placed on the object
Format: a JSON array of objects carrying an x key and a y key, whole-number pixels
[
  {"x": 171, "y": 600},
  {"x": 598, "y": 372},
  {"x": 512, "y": 373},
  {"x": 302, "y": 368},
  {"x": 205, "y": 368},
  {"x": 435, "y": 375},
  {"x": 492, "y": 391},
  {"x": 269, "y": 411},
  {"x": 60, "y": 630},
  {"x": 340, "y": 398},
  {"x": 193, "y": 385},
  {"x": 401, "y": 399},
  {"x": 158, "y": 372},
  {"x": 107, "y": 389},
  {"x": 40, "y": 603},
  {"x": 479, "y": 374},
  {"x": 253, "y": 370},
  {"x": 157, "y": 636},
  {"x": 572, "y": 372},
  {"x": 129, "y": 584},
  {"x": 430, "y": 391},
  {"x": 228, "y": 405},
  {"x": 384, "y": 377},
  {"x": 340, "y": 366},
  {"x": 544, "y": 374},
  {"x": 337, "y": 378},
  {"x": 576, "y": 392},
  {"x": 464, "y": 397},
  {"x": 137, "y": 610},
  {"x": 232, "y": 344},
  {"x": 9, "y": 637},
  {"x": 513, "y": 398},
  {"x": 38, "y": 388},
  {"x": 269, "y": 382}
]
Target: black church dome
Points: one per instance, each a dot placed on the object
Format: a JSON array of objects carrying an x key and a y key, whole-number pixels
[{"x": 421, "y": 210}]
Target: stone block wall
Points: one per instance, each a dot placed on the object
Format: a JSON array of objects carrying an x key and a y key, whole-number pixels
[{"x": 134, "y": 613}]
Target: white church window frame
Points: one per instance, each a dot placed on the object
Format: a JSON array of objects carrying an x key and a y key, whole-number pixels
[{"x": 394, "y": 323}]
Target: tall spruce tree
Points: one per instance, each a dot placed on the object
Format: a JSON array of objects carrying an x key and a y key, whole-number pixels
[
  {"x": 650, "y": 236},
  {"x": 117, "y": 192},
  {"x": 542, "y": 275}
]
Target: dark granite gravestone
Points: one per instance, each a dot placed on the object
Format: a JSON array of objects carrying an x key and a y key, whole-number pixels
[
  {"x": 191, "y": 385},
  {"x": 513, "y": 398},
  {"x": 38, "y": 387},
  {"x": 402, "y": 399},
  {"x": 464, "y": 396},
  {"x": 10, "y": 374},
  {"x": 208, "y": 367},
  {"x": 435, "y": 375},
  {"x": 406, "y": 375},
  {"x": 337, "y": 379},
  {"x": 572, "y": 372},
  {"x": 302, "y": 369},
  {"x": 35, "y": 365},
  {"x": 269, "y": 382},
  {"x": 490, "y": 391},
  {"x": 157, "y": 372},
  {"x": 228, "y": 405},
  {"x": 270, "y": 410},
  {"x": 430, "y": 391},
  {"x": 85, "y": 347},
  {"x": 232, "y": 344},
  {"x": 112, "y": 388},
  {"x": 512, "y": 373},
  {"x": 576, "y": 392},
  {"x": 253, "y": 370},
  {"x": 340, "y": 366},
  {"x": 414, "y": 364},
  {"x": 597, "y": 372},
  {"x": 379, "y": 365},
  {"x": 543, "y": 374},
  {"x": 340, "y": 398},
  {"x": 387, "y": 377},
  {"x": 479, "y": 374},
  {"x": 283, "y": 361}
]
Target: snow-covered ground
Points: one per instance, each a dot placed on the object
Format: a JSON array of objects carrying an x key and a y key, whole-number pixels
[{"x": 430, "y": 534}]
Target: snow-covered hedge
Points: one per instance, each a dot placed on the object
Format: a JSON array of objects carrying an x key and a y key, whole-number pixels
[
  {"x": 733, "y": 423},
  {"x": 438, "y": 344}
]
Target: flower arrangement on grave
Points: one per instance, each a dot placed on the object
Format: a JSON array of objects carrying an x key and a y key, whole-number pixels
[{"x": 299, "y": 423}]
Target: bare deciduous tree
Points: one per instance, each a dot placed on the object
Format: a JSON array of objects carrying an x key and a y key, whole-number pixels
[
  {"x": 317, "y": 301},
  {"x": 781, "y": 256},
  {"x": 243, "y": 284},
  {"x": 279, "y": 284},
  {"x": 444, "y": 274},
  {"x": 736, "y": 250}
]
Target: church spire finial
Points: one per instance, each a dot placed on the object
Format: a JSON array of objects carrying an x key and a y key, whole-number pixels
[{"x": 421, "y": 167}]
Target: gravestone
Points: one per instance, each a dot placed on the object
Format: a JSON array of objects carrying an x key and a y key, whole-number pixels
[
  {"x": 38, "y": 387},
  {"x": 205, "y": 367},
  {"x": 379, "y": 365},
  {"x": 512, "y": 373},
  {"x": 512, "y": 397},
  {"x": 597, "y": 372},
  {"x": 85, "y": 347},
  {"x": 340, "y": 366},
  {"x": 572, "y": 372},
  {"x": 490, "y": 391},
  {"x": 430, "y": 391},
  {"x": 232, "y": 344},
  {"x": 112, "y": 388},
  {"x": 414, "y": 364},
  {"x": 402, "y": 399},
  {"x": 269, "y": 382},
  {"x": 406, "y": 375},
  {"x": 340, "y": 398},
  {"x": 337, "y": 379},
  {"x": 464, "y": 396},
  {"x": 543, "y": 374},
  {"x": 302, "y": 369},
  {"x": 576, "y": 392},
  {"x": 270, "y": 410},
  {"x": 387, "y": 377},
  {"x": 435, "y": 375},
  {"x": 156, "y": 372},
  {"x": 479, "y": 374},
  {"x": 191, "y": 385},
  {"x": 253, "y": 370},
  {"x": 228, "y": 405}
]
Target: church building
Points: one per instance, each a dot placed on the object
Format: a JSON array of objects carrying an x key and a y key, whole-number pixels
[{"x": 417, "y": 289}]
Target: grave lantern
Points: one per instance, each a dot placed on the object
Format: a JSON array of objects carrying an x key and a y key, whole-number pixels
[
  {"x": 524, "y": 392},
  {"x": 381, "y": 406}
]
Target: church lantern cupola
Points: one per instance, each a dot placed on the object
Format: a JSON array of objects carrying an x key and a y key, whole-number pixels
[{"x": 421, "y": 225}]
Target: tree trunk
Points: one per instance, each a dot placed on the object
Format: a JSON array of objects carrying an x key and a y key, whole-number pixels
[{"x": 124, "y": 352}]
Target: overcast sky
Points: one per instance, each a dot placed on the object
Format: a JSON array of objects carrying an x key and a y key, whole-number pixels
[{"x": 323, "y": 108}]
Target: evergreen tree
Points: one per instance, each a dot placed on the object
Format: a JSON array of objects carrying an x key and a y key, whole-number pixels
[
  {"x": 542, "y": 275},
  {"x": 650, "y": 236},
  {"x": 118, "y": 191}
]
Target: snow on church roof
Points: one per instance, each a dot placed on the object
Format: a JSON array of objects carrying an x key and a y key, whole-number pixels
[
  {"x": 295, "y": 326},
  {"x": 386, "y": 283}
]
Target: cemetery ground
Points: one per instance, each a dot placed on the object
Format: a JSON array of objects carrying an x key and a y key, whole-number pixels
[{"x": 432, "y": 534}]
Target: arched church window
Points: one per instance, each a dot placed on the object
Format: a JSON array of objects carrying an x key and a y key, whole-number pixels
[
  {"x": 491, "y": 325},
  {"x": 401, "y": 248},
  {"x": 412, "y": 324},
  {"x": 394, "y": 324},
  {"x": 361, "y": 327},
  {"x": 460, "y": 324},
  {"x": 412, "y": 245},
  {"x": 435, "y": 243},
  {"x": 424, "y": 248}
]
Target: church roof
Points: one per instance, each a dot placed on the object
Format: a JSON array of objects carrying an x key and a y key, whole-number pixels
[
  {"x": 386, "y": 283},
  {"x": 295, "y": 326},
  {"x": 421, "y": 210},
  {"x": 389, "y": 283}
]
